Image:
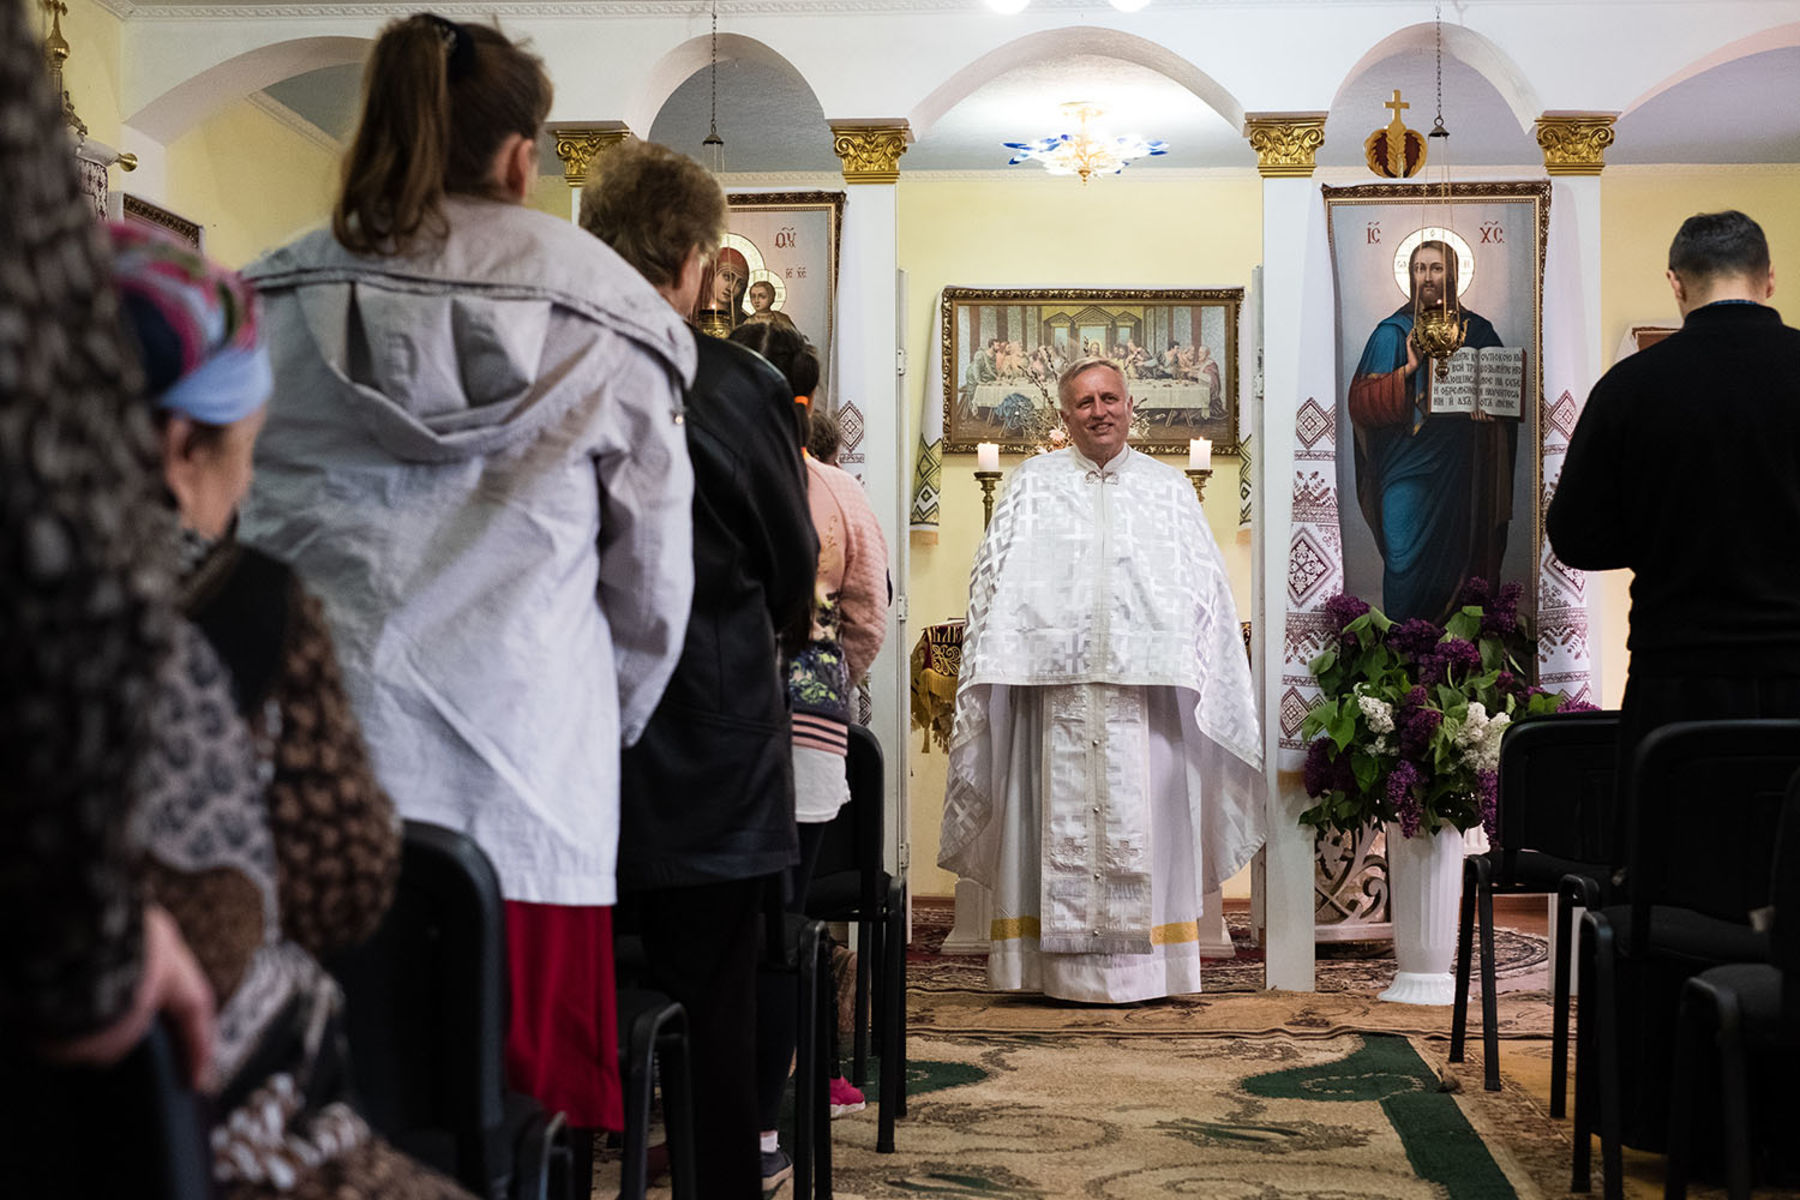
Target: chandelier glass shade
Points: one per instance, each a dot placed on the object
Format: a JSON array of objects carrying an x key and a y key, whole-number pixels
[{"x": 1083, "y": 153}]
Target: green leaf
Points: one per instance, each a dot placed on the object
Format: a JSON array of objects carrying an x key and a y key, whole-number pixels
[
  {"x": 1380, "y": 620},
  {"x": 1365, "y": 768},
  {"x": 1342, "y": 727},
  {"x": 1323, "y": 663},
  {"x": 1465, "y": 624}
]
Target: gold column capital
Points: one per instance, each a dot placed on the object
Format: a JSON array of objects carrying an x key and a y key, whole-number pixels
[
  {"x": 1285, "y": 142},
  {"x": 1574, "y": 143},
  {"x": 581, "y": 144},
  {"x": 871, "y": 150}
]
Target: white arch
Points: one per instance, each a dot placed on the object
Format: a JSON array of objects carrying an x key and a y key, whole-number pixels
[
  {"x": 195, "y": 99},
  {"x": 1781, "y": 37},
  {"x": 675, "y": 67},
  {"x": 1066, "y": 43},
  {"x": 1466, "y": 46}
]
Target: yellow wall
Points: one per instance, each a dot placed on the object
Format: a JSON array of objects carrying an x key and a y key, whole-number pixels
[
  {"x": 1641, "y": 208},
  {"x": 253, "y": 182},
  {"x": 1038, "y": 230},
  {"x": 91, "y": 76}
]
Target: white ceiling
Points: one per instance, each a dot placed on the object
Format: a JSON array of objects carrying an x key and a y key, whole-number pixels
[{"x": 771, "y": 121}]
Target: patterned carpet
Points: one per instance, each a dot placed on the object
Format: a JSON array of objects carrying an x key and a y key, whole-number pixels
[
  {"x": 949, "y": 993},
  {"x": 1112, "y": 1118}
]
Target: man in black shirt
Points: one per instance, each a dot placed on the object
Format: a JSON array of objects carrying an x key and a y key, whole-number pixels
[
  {"x": 1715, "y": 601},
  {"x": 1715, "y": 598}
]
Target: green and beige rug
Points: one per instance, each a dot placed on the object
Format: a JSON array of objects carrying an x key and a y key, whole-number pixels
[{"x": 1113, "y": 1117}]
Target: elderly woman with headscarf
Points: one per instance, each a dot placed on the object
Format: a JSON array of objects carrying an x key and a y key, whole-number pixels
[{"x": 264, "y": 831}]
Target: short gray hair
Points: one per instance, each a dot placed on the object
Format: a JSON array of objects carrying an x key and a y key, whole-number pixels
[{"x": 1066, "y": 381}]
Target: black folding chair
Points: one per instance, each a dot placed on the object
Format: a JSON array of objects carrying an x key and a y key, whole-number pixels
[
  {"x": 652, "y": 1031},
  {"x": 852, "y": 884},
  {"x": 1555, "y": 837},
  {"x": 155, "y": 1127},
  {"x": 1729, "y": 1012},
  {"x": 1704, "y": 802},
  {"x": 426, "y": 1011}
]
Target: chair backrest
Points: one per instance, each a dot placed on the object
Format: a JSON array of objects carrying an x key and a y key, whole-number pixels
[
  {"x": 856, "y": 838},
  {"x": 1784, "y": 934},
  {"x": 133, "y": 1129},
  {"x": 1706, "y": 802},
  {"x": 426, "y": 1004},
  {"x": 1557, "y": 780}
]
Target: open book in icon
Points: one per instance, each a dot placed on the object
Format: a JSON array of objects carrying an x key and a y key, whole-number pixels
[{"x": 1490, "y": 381}]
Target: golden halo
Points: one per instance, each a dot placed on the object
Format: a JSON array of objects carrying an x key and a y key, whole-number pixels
[
  {"x": 774, "y": 281},
  {"x": 1465, "y": 258}
]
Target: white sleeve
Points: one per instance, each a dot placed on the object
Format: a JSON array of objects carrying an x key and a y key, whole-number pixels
[{"x": 646, "y": 534}]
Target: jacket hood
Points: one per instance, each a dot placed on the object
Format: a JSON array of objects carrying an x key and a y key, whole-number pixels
[{"x": 452, "y": 351}]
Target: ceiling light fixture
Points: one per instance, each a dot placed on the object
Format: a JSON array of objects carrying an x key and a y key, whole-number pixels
[
  {"x": 1083, "y": 153},
  {"x": 712, "y": 150}
]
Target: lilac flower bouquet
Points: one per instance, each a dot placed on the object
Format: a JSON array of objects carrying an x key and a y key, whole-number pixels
[{"x": 1409, "y": 729}]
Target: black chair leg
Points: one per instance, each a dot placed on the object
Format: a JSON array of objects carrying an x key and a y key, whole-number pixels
[
  {"x": 1574, "y": 891},
  {"x": 1459, "y": 1012},
  {"x": 1490, "y": 1000},
  {"x": 1734, "y": 1087},
  {"x": 893, "y": 1039},
  {"x": 824, "y": 1034},
  {"x": 635, "y": 1076},
  {"x": 865, "y": 954},
  {"x": 1606, "y": 1055},
  {"x": 806, "y": 1058},
  {"x": 678, "y": 1108},
  {"x": 1580, "y": 1164},
  {"x": 1697, "y": 1019}
]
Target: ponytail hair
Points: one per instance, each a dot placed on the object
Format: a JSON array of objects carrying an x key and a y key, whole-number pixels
[
  {"x": 793, "y": 356},
  {"x": 439, "y": 99}
]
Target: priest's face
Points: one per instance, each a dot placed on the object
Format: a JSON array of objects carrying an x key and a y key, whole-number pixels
[{"x": 1097, "y": 410}]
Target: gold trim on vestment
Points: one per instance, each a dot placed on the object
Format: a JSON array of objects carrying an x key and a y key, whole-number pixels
[{"x": 1175, "y": 933}]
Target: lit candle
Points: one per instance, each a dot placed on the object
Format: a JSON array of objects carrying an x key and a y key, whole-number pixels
[
  {"x": 987, "y": 456},
  {"x": 1199, "y": 454}
]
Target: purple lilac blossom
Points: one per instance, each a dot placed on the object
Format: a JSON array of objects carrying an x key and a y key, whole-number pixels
[
  {"x": 1451, "y": 654},
  {"x": 1344, "y": 608},
  {"x": 1476, "y": 592},
  {"x": 1414, "y": 638},
  {"x": 1317, "y": 772},
  {"x": 1501, "y": 618},
  {"x": 1402, "y": 788},
  {"x": 1487, "y": 788},
  {"x": 1416, "y": 728}
]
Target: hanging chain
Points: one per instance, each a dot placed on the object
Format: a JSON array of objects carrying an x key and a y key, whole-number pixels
[
  {"x": 713, "y": 75},
  {"x": 1437, "y": 128}
]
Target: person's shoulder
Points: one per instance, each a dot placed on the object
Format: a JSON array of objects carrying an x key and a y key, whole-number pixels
[{"x": 724, "y": 362}]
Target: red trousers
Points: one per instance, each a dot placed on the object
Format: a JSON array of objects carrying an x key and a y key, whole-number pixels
[{"x": 562, "y": 1047}]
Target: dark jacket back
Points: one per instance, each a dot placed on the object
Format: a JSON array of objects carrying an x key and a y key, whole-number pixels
[
  {"x": 1685, "y": 467},
  {"x": 708, "y": 791}
]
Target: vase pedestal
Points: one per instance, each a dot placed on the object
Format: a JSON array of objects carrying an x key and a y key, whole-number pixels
[{"x": 1425, "y": 887}]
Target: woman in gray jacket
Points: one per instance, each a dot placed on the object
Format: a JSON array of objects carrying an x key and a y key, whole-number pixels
[{"x": 474, "y": 457}]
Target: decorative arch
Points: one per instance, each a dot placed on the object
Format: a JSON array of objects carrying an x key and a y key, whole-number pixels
[
  {"x": 195, "y": 99},
  {"x": 1781, "y": 37},
  {"x": 675, "y": 67},
  {"x": 1065, "y": 43},
  {"x": 1466, "y": 46}
]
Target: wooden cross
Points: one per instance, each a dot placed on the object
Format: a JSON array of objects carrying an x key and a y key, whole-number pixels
[{"x": 1397, "y": 104}]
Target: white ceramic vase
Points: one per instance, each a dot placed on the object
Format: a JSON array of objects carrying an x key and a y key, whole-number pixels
[{"x": 1424, "y": 889}]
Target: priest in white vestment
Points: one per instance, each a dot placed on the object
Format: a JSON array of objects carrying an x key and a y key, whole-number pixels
[{"x": 1105, "y": 765}]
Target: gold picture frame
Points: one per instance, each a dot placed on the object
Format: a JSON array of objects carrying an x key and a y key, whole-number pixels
[
  {"x": 1499, "y": 234},
  {"x": 1003, "y": 348}
]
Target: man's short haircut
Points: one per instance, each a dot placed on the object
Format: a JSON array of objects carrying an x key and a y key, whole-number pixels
[
  {"x": 1721, "y": 243},
  {"x": 1065, "y": 383},
  {"x": 655, "y": 207}
]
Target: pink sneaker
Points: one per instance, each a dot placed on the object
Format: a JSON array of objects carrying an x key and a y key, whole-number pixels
[{"x": 845, "y": 1099}]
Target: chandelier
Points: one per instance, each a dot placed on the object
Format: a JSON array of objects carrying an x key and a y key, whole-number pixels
[{"x": 1082, "y": 153}]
